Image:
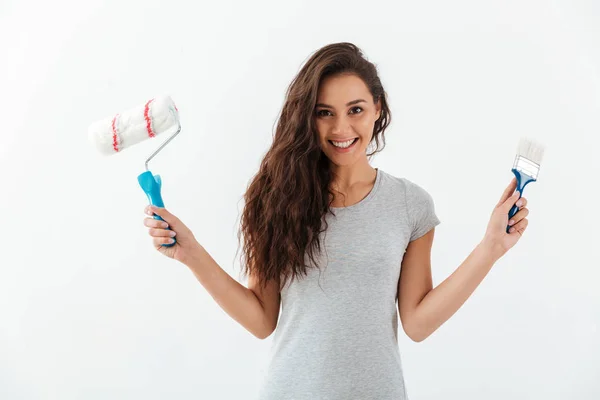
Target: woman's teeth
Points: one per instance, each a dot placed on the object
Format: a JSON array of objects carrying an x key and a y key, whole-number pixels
[{"x": 343, "y": 145}]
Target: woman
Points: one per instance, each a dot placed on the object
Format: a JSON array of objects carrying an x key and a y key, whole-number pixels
[{"x": 343, "y": 247}]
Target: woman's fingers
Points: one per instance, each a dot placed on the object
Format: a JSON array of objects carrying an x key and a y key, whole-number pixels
[
  {"x": 158, "y": 241},
  {"x": 519, "y": 226},
  {"x": 155, "y": 223},
  {"x": 508, "y": 192},
  {"x": 158, "y": 230},
  {"x": 522, "y": 213},
  {"x": 522, "y": 202},
  {"x": 161, "y": 232}
]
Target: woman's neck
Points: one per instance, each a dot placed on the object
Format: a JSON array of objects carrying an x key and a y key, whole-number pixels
[{"x": 352, "y": 183}]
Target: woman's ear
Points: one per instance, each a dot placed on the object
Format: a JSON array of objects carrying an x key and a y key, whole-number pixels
[{"x": 378, "y": 109}]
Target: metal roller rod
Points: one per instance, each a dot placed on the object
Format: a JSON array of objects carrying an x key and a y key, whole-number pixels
[{"x": 162, "y": 145}]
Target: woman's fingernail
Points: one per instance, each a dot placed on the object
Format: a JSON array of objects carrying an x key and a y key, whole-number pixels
[
  {"x": 519, "y": 203},
  {"x": 511, "y": 230},
  {"x": 512, "y": 221},
  {"x": 172, "y": 233}
]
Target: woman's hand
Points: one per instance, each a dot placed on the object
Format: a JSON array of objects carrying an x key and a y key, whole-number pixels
[
  {"x": 496, "y": 237},
  {"x": 186, "y": 243}
]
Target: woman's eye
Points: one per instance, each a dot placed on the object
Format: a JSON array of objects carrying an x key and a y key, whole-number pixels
[{"x": 355, "y": 110}]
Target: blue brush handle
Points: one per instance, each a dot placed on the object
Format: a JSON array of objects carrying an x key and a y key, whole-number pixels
[
  {"x": 151, "y": 186},
  {"x": 522, "y": 181}
]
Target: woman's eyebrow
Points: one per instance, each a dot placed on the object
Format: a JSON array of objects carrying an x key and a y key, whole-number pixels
[{"x": 347, "y": 104}]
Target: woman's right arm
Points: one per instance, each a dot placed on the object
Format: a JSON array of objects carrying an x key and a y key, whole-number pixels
[{"x": 255, "y": 308}]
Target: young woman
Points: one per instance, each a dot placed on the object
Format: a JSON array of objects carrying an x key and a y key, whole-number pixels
[{"x": 341, "y": 246}]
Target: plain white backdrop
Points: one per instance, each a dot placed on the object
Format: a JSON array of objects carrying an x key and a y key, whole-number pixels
[{"x": 89, "y": 310}]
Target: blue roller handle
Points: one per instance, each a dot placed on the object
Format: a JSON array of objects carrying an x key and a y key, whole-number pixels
[
  {"x": 522, "y": 181},
  {"x": 151, "y": 186}
]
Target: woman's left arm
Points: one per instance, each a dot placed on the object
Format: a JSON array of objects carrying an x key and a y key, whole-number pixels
[{"x": 423, "y": 309}]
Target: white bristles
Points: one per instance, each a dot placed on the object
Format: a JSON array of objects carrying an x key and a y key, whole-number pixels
[
  {"x": 531, "y": 150},
  {"x": 120, "y": 131}
]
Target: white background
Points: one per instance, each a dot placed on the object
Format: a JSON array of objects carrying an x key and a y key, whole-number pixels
[{"x": 89, "y": 310}]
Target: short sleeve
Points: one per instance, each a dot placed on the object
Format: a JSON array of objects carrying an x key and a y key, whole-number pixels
[{"x": 421, "y": 210}]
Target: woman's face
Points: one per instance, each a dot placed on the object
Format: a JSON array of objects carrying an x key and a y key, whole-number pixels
[{"x": 345, "y": 115}]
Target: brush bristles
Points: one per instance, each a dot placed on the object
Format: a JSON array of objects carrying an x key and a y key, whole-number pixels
[{"x": 531, "y": 150}]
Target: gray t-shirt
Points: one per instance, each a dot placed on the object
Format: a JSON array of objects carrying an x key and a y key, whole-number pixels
[{"x": 337, "y": 335}]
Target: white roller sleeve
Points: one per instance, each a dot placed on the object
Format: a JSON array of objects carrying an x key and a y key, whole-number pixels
[{"x": 118, "y": 132}]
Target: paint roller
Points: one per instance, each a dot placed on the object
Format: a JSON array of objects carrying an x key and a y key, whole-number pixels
[{"x": 112, "y": 135}]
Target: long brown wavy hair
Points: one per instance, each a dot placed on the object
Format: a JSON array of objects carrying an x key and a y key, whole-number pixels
[{"x": 286, "y": 201}]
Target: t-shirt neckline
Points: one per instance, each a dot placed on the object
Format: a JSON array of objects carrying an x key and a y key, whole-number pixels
[{"x": 365, "y": 199}]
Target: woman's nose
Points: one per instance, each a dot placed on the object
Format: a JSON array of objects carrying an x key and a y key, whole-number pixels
[{"x": 341, "y": 125}]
